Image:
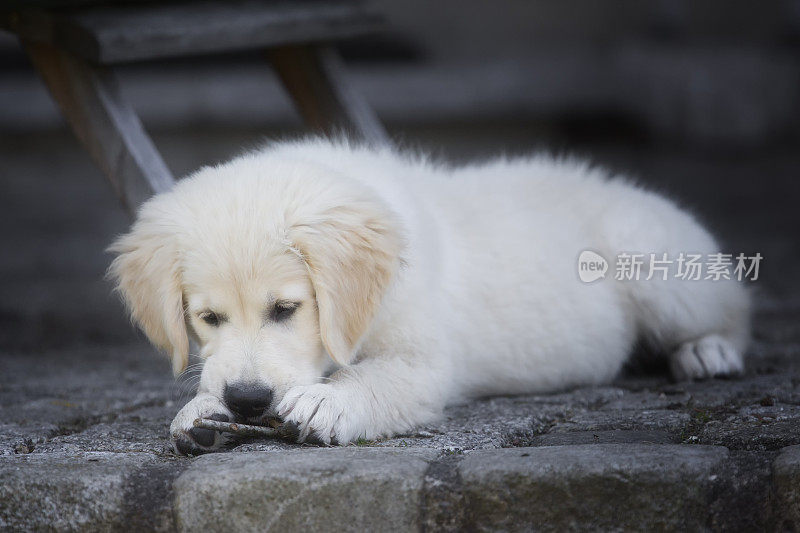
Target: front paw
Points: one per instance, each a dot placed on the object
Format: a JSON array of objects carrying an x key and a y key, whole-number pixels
[
  {"x": 320, "y": 414},
  {"x": 189, "y": 440}
]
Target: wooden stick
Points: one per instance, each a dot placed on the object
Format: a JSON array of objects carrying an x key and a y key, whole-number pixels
[{"x": 246, "y": 430}]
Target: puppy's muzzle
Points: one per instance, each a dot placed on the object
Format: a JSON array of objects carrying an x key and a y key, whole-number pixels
[{"x": 247, "y": 400}]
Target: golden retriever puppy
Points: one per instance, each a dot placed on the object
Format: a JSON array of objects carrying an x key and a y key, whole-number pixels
[{"x": 356, "y": 291}]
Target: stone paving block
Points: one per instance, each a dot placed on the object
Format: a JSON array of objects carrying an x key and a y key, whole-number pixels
[
  {"x": 786, "y": 483},
  {"x": 309, "y": 489},
  {"x": 591, "y": 487},
  {"x": 647, "y": 400},
  {"x": 487, "y": 423},
  {"x": 658, "y": 420},
  {"x": 15, "y": 438},
  {"x": 85, "y": 492},
  {"x": 115, "y": 437},
  {"x": 603, "y": 437},
  {"x": 144, "y": 429}
]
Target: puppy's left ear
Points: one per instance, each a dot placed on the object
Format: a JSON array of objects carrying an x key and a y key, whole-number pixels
[
  {"x": 147, "y": 276},
  {"x": 352, "y": 253}
]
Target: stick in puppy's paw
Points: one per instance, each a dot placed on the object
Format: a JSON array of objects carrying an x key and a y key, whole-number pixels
[{"x": 278, "y": 430}]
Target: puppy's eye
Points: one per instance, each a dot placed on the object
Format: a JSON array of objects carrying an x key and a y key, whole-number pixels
[
  {"x": 211, "y": 318},
  {"x": 283, "y": 310}
]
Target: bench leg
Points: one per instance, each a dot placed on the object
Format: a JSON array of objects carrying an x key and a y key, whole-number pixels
[
  {"x": 105, "y": 123},
  {"x": 314, "y": 77}
]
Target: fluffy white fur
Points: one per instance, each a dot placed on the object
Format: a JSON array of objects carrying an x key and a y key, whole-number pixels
[{"x": 418, "y": 285}]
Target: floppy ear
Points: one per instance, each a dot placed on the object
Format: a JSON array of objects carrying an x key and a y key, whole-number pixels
[
  {"x": 352, "y": 253},
  {"x": 147, "y": 276}
]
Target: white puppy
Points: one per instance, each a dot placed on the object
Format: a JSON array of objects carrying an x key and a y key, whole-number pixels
[{"x": 410, "y": 285}]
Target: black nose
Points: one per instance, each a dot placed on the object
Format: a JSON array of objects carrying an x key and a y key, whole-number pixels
[{"x": 248, "y": 400}]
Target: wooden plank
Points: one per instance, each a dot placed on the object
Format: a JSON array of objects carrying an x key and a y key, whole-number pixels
[
  {"x": 116, "y": 34},
  {"x": 105, "y": 123},
  {"x": 317, "y": 82}
]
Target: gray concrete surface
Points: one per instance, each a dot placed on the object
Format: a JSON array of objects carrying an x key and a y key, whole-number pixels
[
  {"x": 786, "y": 478},
  {"x": 569, "y": 487},
  {"x": 85, "y": 403},
  {"x": 84, "y": 445},
  {"x": 357, "y": 489}
]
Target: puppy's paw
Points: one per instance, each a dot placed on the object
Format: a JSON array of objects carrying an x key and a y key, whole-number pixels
[
  {"x": 708, "y": 357},
  {"x": 189, "y": 440},
  {"x": 321, "y": 414}
]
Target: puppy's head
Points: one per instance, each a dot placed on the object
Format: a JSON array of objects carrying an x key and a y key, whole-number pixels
[{"x": 270, "y": 271}]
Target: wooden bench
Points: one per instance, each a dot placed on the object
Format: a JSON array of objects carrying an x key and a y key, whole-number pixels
[{"x": 75, "y": 48}]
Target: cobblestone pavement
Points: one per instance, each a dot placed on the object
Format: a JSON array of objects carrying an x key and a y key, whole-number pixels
[
  {"x": 85, "y": 404},
  {"x": 83, "y": 443}
]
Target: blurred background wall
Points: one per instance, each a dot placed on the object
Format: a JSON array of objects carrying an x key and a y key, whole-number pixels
[
  {"x": 714, "y": 72},
  {"x": 697, "y": 98}
]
